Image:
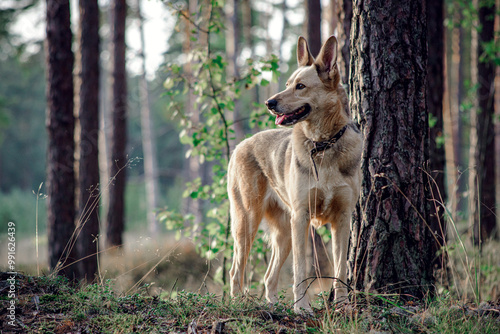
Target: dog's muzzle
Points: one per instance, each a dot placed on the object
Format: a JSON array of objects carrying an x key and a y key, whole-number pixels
[{"x": 287, "y": 119}]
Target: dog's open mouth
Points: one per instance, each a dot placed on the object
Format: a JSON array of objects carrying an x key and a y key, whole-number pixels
[{"x": 294, "y": 117}]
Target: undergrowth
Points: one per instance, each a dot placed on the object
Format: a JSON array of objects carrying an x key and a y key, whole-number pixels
[{"x": 54, "y": 305}]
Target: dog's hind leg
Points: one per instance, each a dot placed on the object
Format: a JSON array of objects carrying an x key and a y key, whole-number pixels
[
  {"x": 244, "y": 228},
  {"x": 281, "y": 243},
  {"x": 246, "y": 195}
]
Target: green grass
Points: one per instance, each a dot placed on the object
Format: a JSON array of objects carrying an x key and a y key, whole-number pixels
[{"x": 46, "y": 304}]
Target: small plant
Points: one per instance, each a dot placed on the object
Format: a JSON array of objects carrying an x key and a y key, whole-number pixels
[{"x": 214, "y": 95}]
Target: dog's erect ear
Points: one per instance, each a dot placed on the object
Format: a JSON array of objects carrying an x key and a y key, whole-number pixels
[
  {"x": 304, "y": 57},
  {"x": 327, "y": 60}
]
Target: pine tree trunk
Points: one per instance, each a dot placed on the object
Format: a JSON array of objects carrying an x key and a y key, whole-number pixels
[
  {"x": 497, "y": 108},
  {"x": 193, "y": 168},
  {"x": 313, "y": 34},
  {"x": 232, "y": 52},
  {"x": 482, "y": 217},
  {"x": 88, "y": 112},
  {"x": 61, "y": 146},
  {"x": 286, "y": 26},
  {"x": 435, "y": 88},
  {"x": 116, "y": 209},
  {"x": 391, "y": 245},
  {"x": 332, "y": 17},
  {"x": 457, "y": 181},
  {"x": 148, "y": 139},
  {"x": 344, "y": 32}
]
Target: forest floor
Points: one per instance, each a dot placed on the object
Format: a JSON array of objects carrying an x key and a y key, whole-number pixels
[{"x": 52, "y": 305}]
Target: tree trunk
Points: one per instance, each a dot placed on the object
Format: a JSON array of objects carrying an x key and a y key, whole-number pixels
[
  {"x": 61, "y": 146},
  {"x": 344, "y": 10},
  {"x": 455, "y": 77},
  {"x": 193, "y": 169},
  {"x": 282, "y": 78},
  {"x": 88, "y": 112},
  {"x": 391, "y": 242},
  {"x": 116, "y": 209},
  {"x": 332, "y": 17},
  {"x": 232, "y": 52},
  {"x": 482, "y": 218},
  {"x": 148, "y": 139},
  {"x": 435, "y": 88},
  {"x": 497, "y": 109},
  {"x": 313, "y": 33}
]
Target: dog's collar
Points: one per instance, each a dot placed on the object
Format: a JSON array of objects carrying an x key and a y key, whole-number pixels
[{"x": 320, "y": 146}]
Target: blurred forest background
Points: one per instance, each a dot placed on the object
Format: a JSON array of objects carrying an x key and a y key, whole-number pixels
[{"x": 162, "y": 154}]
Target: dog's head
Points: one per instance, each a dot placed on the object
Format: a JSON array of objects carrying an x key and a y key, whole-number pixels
[{"x": 312, "y": 88}]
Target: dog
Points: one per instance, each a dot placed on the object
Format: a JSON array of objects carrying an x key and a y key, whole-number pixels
[{"x": 296, "y": 177}]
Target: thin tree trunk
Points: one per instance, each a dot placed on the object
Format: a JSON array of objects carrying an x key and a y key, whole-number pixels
[
  {"x": 333, "y": 17},
  {"x": 435, "y": 87},
  {"x": 193, "y": 170},
  {"x": 88, "y": 139},
  {"x": 148, "y": 139},
  {"x": 457, "y": 181},
  {"x": 344, "y": 10},
  {"x": 61, "y": 145},
  {"x": 482, "y": 218},
  {"x": 232, "y": 52},
  {"x": 247, "y": 17},
  {"x": 391, "y": 247},
  {"x": 313, "y": 32},
  {"x": 116, "y": 209},
  {"x": 104, "y": 116},
  {"x": 282, "y": 78},
  {"x": 449, "y": 149},
  {"x": 497, "y": 110}
]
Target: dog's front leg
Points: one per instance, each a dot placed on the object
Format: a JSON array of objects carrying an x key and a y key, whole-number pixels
[
  {"x": 340, "y": 242},
  {"x": 300, "y": 226}
]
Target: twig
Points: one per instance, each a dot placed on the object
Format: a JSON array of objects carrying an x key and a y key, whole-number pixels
[{"x": 314, "y": 279}]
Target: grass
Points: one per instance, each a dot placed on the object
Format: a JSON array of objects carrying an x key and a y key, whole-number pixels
[
  {"x": 160, "y": 303},
  {"x": 143, "y": 289},
  {"x": 53, "y": 305}
]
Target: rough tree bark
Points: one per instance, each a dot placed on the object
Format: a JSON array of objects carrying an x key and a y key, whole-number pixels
[
  {"x": 391, "y": 244},
  {"x": 88, "y": 139},
  {"x": 482, "y": 217},
  {"x": 116, "y": 207},
  {"x": 61, "y": 146}
]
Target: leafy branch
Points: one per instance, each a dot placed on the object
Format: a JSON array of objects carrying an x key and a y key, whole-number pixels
[{"x": 209, "y": 139}]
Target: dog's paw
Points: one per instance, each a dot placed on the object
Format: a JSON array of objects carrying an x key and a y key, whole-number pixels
[{"x": 305, "y": 311}]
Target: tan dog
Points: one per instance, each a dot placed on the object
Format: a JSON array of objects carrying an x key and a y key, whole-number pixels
[{"x": 296, "y": 177}]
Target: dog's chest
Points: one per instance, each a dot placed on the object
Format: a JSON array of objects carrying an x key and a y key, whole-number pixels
[{"x": 325, "y": 197}]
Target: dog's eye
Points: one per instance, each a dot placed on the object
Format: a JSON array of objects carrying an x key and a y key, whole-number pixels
[{"x": 300, "y": 86}]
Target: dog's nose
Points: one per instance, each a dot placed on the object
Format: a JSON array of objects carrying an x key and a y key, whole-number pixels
[{"x": 271, "y": 104}]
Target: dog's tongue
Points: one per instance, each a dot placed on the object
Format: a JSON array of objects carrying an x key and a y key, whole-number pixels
[{"x": 279, "y": 119}]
